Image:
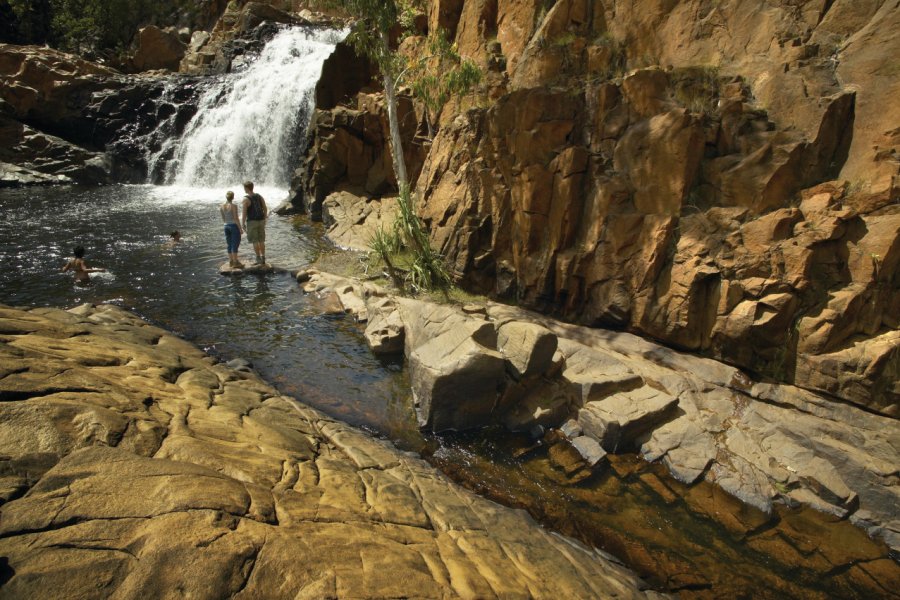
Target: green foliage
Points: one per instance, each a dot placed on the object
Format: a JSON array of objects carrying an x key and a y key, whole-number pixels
[
  {"x": 436, "y": 75},
  {"x": 439, "y": 74},
  {"x": 697, "y": 88},
  {"x": 386, "y": 245},
  {"x": 375, "y": 19},
  {"x": 371, "y": 34},
  {"x": 564, "y": 39},
  {"x": 406, "y": 252},
  {"x": 32, "y": 20},
  {"x": 427, "y": 270},
  {"x": 89, "y": 27}
]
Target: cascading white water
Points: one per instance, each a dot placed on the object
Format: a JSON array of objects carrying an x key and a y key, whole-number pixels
[{"x": 249, "y": 123}]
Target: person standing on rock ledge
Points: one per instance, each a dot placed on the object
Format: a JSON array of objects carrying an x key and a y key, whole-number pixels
[
  {"x": 254, "y": 221},
  {"x": 233, "y": 231}
]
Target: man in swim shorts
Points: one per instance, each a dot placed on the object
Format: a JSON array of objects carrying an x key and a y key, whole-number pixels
[{"x": 253, "y": 220}]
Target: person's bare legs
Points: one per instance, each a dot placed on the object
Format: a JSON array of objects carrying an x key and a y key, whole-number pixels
[{"x": 260, "y": 249}]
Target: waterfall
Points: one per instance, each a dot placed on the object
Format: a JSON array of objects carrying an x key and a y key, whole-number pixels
[{"x": 251, "y": 124}]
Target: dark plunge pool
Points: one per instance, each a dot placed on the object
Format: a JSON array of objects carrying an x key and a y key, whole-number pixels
[
  {"x": 697, "y": 541},
  {"x": 264, "y": 319}
]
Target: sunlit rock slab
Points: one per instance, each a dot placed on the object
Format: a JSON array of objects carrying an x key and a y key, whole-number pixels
[{"x": 134, "y": 465}]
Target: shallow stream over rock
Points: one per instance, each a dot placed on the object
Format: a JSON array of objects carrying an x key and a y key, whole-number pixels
[{"x": 696, "y": 540}]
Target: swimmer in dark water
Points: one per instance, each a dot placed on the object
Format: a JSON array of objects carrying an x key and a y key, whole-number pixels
[
  {"x": 175, "y": 239},
  {"x": 80, "y": 268}
]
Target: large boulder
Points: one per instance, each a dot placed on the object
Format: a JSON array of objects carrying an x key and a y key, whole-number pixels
[
  {"x": 385, "y": 332},
  {"x": 617, "y": 421},
  {"x": 157, "y": 49},
  {"x": 353, "y": 221},
  {"x": 44, "y": 84},
  {"x": 349, "y": 150},
  {"x": 528, "y": 347},
  {"x": 455, "y": 371}
]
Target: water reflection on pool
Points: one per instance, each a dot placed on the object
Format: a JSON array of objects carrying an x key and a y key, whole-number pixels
[{"x": 696, "y": 540}]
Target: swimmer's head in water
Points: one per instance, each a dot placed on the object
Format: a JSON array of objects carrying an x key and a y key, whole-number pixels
[
  {"x": 175, "y": 235},
  {"x": 79, "y": 252}
]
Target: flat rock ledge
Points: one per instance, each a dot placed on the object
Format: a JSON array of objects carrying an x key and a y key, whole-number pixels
[
  {"x": 134, "y": 466},
  {"x": 608, "y": 392}
]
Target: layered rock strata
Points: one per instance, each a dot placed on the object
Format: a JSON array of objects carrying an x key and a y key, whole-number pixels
[
  {"x": 613, "y": 392},
  {"x": 134, "y": 465}
]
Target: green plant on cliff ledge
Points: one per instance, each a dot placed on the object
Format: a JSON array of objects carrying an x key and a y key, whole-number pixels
[
  {"x": 697, "y": 88},
  {"x": 406, "y": 253},
  {"x": 385, "y": 244},
  {"x": 614, "y": 65},
  {"x": 438, "y": 74},
  {"x": 371, "y": 33}
]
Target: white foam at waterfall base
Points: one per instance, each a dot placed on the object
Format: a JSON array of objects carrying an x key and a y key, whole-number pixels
[{"x": 249, "y": 123}]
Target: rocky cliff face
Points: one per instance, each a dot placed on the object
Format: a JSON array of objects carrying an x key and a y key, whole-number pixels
[{"x": 720, "y": 176}]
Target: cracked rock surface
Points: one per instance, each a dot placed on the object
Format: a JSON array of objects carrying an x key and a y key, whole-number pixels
[
  {"x": 133, "y": 465},
  {"x": 762, "y": 443}
]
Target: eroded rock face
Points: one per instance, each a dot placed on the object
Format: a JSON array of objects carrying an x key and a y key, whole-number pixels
[
  {"x": 32, "y": 157},
  {"x": 40, "y": 89},
  {"x": 675, "y": 171},
  {"x": 75, "y": 121},
  {"x": 133, "y": 462},
  {"x": 157, "y": 49},
  {"x": 622, "y": 243},
  {"x": 612, "y": 392},
  {"x": 349, "y": 152},
  {"x": 664, "y": 199}
]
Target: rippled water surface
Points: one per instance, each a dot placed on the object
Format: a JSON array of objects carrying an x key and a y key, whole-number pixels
[
  {"x": 697, "y": 540},
  {"x": 265, "y": 319}
]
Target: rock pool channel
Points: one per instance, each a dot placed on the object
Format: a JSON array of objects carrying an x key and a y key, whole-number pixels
[{"x": 694, "y": 540}]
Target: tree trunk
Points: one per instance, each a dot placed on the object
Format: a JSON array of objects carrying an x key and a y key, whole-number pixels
[{"x": 396, "y": 143}]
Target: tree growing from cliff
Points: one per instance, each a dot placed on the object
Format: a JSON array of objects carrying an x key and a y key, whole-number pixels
[
  {"x": 439, "y": 74},
  {"x": 376, "y": 23}
]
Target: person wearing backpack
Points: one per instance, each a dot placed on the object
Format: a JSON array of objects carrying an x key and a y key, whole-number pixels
[{"x": 253, "y": 220}]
